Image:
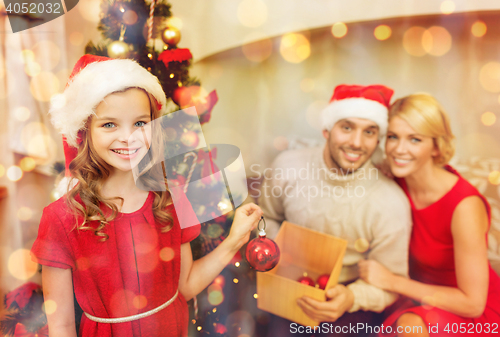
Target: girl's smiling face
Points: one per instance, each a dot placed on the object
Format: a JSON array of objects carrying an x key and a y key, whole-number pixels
[
  {"x": 116, "y": 119},
  {"x": 406, "y": 150}
]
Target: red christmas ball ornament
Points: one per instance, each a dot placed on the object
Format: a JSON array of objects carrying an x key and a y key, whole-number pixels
[
  {"x": 306, "y": 280},
  {"x": 322, "y": 281},
  {"x": 262, "y": 254}
]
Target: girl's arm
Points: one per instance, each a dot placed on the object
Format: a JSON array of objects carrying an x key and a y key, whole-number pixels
[
  {"x": 196, "y": 276},
  {"x": 58, "y": 287},
  {"x": 469, "y": 225}
]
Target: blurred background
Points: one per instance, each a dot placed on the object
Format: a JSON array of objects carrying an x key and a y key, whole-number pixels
[{"x": 274, "y": 64}]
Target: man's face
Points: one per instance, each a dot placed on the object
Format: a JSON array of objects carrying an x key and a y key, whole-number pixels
[{"x": 350, "y": 143}]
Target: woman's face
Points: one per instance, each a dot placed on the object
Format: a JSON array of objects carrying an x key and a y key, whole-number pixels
[
  {"x": 407, "y": 151},
  {"x": 120, "y": 133}
]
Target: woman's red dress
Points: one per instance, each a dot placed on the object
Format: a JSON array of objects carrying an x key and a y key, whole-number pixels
[
  {"x": 135, "y": 270},
  {"x": 432, "y": 262}
]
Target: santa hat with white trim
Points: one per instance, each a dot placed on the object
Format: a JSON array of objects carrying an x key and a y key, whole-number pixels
[
  {"x": 93, "y": 78},
  {"x": 356, "y": 101}
]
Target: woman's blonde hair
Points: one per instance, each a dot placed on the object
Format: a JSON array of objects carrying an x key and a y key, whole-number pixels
[
  {"x": 426, "y": 116},
  {"x": 91, "y": 171}
]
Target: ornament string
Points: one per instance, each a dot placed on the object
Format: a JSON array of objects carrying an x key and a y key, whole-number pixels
[
  {"x": 123, "y": 28},
  {"x": 258, "y": 225}
]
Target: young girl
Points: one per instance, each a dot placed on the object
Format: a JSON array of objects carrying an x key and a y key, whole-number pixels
[
  {"x": 119, "y": 249},
  {"x": 449, "y": 269}
]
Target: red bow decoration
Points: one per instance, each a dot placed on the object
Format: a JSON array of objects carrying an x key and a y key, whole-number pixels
[
  {"x": 175, "y": 55},
  {"x": 209, "y": 167},
  {"x": 21, "y": 295}
]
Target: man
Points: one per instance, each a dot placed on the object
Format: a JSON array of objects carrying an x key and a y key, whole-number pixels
[{"x": 338, "y": 191}]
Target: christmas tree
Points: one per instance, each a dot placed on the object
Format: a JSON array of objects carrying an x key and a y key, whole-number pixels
[{"x": 131, "y": 29}]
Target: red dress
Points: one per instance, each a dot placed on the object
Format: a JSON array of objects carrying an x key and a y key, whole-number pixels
[
  {"x": 135, "y": 270},
  {"x": 432, "y": 261}
]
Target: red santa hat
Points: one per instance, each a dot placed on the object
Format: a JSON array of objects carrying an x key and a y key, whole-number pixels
[
  {"x": 369, "y": 102},
  {"x": 93, "y": 78}
]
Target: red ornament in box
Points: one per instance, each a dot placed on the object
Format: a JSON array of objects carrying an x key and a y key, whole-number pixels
[
  {"x": 306, "y": 280},
  {"x": 322, "y": 281},
  {"x": 262, "y": 253}
]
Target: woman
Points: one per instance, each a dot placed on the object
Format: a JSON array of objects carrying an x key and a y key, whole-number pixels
[{"x": 452, "y": 287}]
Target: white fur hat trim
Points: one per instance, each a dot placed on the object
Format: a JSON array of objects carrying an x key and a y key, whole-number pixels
[{"x": 355, "y": 108}]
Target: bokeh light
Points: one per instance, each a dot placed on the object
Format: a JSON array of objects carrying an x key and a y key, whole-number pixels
[
  {"x": 49, "y": 307},
  {"x": 313, "y": 114},
  {"x": 258, "y": 51},
  {"x": 83, "y": 263},
  {"x": 14, "y": 173},
  {"x": 295, "y": 48},
  {"x": 37, "y": 141},
  {"x": 382, "y": 32},
  {"x": 252, "y": 13},
  {"x": 27, "y": 56},
  {"x": 47, "y": 54},
  {"x": 44, "y": 86},
  {"x": 22, "y": 113},
  {"x": 140, "y": 301},
  {"x": 224, "y": 204},
  {"x": 488, "y": 118},
  {"x": 32, "y": 68},
  {"x": 494, "y": 177},
  {"x": 175, "y": 22},
  {"x": 236, "y": 264},
  {"x": 489, "y": 77},
  {"x": 214, "y": 230},
  {"x": 76, "y": 39},
  {"x": 447, "y": 7},
  {"x": 215, "y": 295},
  {"x": 130, "y": 17},
  {"x": 280, "y": 143},
  {"x": 220, "y": 328},
  {"x": 339, "y": 30},
  {"x": 412, "y": 41},
  {"x": 361, "y": 245},
  {"x": 220, "y": 281},
  {"x": 436, "y": 41},
  {"x": 2, "y": 170},
  {"x": 27, "y": 164},
  {"x": 90, "y": 10},
  {"x": 167, "y": 254},
  {"x": 255, "y": 296},
  {"x": 478, "y": 28},
  {"x": 307, "y": 85},
  {"x": 21, "y": 266},
  {"x": 24, "y": 213}
]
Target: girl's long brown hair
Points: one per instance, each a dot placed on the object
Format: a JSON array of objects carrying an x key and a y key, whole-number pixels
[{"x": 91, "y": 172}]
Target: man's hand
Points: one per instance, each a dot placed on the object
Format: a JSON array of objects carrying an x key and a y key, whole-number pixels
[
  {"x": 376, "y": 274},
  {"x": 339, "y": 300}
]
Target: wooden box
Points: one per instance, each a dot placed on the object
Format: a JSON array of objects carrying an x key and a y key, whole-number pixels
[{"x": 302, "y": 250}]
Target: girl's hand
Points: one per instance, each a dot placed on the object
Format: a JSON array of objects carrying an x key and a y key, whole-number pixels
[
  {"x": 245, "y": 220},
  {"x": 376, "y": 274}
]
